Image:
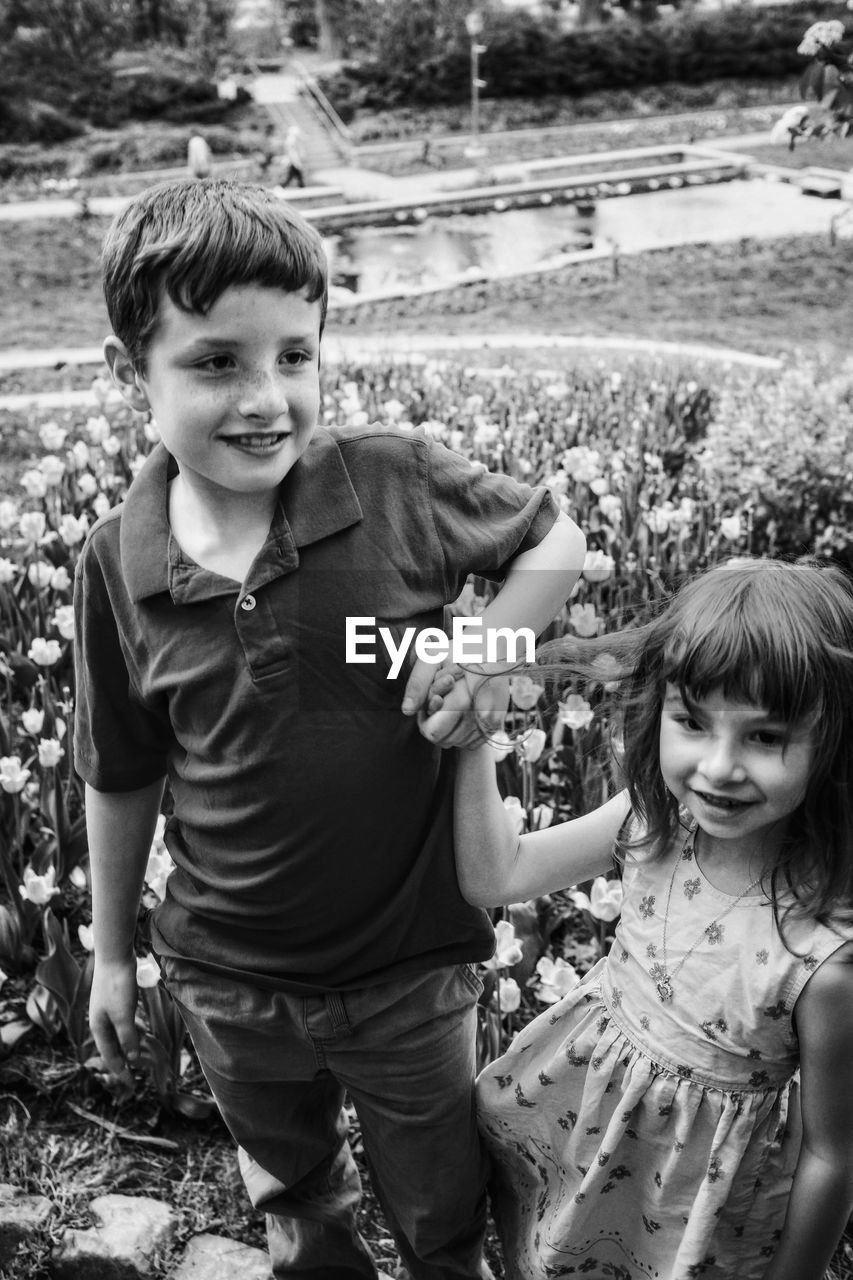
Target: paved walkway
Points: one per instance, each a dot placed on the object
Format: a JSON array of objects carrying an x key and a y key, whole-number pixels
[{"x": 338, "y": 348}]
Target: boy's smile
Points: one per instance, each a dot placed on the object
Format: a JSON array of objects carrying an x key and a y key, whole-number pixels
[{"x": 235, "y": 393}]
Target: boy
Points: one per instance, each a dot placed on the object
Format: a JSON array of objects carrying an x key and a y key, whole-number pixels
[{"x": 313, "y": 932}]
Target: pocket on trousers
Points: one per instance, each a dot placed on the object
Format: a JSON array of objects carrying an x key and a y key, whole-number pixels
[{"x": 472, "y": 978}]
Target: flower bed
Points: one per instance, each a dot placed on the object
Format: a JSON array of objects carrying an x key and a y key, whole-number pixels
[{"x": 668, "y": 469}]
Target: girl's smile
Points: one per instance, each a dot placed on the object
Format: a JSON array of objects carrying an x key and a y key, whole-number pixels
[{"x": 738, "y": 769}]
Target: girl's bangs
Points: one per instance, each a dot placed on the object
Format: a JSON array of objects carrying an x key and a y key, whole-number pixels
[{"x": 761, "y": 660}]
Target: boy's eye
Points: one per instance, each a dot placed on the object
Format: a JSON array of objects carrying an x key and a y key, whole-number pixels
[
  {"x": 296, "y": 358},
  {"x": 215, "y": 364}
]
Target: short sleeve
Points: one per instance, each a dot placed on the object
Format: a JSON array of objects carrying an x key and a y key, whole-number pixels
[
  {"x": 483, "y": 519},
  {"x": 119, "y": 745}
]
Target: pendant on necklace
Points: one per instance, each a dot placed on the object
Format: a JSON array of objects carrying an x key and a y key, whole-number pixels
[{"x": 664, "y": 986}]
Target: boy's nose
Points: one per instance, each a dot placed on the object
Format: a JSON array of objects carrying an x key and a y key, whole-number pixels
[{"x": 263, "y": 396}]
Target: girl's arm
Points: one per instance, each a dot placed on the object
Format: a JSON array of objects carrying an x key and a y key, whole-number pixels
[
  {"x": 822, "y": 1192},
  {"x": 537, "y": 585},
  {"x": 495, "y": 866}
]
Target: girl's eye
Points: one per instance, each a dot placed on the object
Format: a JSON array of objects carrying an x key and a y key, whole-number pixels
[{"x": 770, "y": 737}]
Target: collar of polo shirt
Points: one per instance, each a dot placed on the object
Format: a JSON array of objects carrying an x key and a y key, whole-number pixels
[{"x": 317, "y": 500}]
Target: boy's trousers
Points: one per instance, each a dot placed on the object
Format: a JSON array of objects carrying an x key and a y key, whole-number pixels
[{"x": 278, "y": 1065}]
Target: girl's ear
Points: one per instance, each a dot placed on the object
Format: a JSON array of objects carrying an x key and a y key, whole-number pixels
[{"x": 124, "y": 375}]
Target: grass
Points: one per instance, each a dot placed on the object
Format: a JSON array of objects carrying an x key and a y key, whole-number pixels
[{"x": 762, "y": 296}]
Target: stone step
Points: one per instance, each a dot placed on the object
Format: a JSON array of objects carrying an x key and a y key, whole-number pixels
[{"x": 129, "y": 1233}]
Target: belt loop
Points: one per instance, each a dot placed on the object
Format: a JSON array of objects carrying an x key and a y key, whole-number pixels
[{"x": 337, "y": 1012}]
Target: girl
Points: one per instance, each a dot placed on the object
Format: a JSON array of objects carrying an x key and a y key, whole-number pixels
[{"x": 652, "y": 1124}]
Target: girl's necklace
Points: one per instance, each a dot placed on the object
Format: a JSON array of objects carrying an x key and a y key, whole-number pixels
[{"x": 660, "y": 973}]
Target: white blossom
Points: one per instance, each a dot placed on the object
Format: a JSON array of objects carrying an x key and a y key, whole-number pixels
[
  {"x": 38, "y": 889},
  {"x": 32, "y": 719},
  {"x": 63, "y": 620},
  {"x": 13, "y": 778},
  {"x": 44, "y": 653},
  {"x": 50, "y": 753},
  {"x": 32, "y": 525},
  {"x": 821, "y": 35}
]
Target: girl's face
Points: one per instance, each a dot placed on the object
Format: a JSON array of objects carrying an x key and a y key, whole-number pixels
[{"x": 740, "y": 771}]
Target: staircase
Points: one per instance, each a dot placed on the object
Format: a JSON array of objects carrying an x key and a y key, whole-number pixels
[{"x": 292, "y": 97}]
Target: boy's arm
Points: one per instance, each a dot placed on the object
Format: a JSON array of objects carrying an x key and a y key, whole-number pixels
[
  {"x": 822, "y": 1192},
  {"x": 495, "y": 866},
  {"x": 121, "y": 828},
  {"x": 537, "y": 585}
]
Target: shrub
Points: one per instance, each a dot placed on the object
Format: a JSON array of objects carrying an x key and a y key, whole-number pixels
[{"x": 531, "y": 55}]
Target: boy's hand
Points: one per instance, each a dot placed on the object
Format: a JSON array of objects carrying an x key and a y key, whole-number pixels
[{"x": 112, "y": 1014}]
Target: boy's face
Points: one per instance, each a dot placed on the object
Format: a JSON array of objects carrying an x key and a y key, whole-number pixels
[{"x": 235, "y": 393}]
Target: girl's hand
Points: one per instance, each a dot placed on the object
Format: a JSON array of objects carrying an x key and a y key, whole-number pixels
[{"x": 464, "y": 712}]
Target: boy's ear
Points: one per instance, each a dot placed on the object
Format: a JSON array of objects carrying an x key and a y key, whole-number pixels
[{"x": 124, "y": 375}]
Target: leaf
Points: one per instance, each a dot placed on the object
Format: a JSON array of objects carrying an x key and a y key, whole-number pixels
[
  {"x": 192, "y": 1106},
  {"x": 70, "y": 984},
  {"x": 43, "y": 1011}
]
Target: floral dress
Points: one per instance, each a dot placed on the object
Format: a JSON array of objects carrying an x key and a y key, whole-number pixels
[{"x": 648, "y": 1125}]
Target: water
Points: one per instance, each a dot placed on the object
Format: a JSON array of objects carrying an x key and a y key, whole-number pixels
[
  {"x": 373, "y": 259},
  {"x": 439, "y": 250}
]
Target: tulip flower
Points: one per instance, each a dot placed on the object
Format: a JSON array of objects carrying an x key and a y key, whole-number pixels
[
  {"x": 53, "y": 469},
  {"x": 63, "y": 620},
  {"x": 147, "y": 972},
  {"x": 32, "y": 525},
  {"x": 525, "y": 693},
  {"x": 584, "y": 619},
  {"x": 509, "y": 995},
  {"x": 52, "y": 436},
  {"x": 597, "y": 567},
  {"x": 38, "y": 889},
  {"x": 12, "y": 777},
  {"x": 32, "y": 719},
  {"x": 515, "y": 809},
  {"x": 605, "y": 898},
  {"x": 556, "y": 979},
  {"x": 8, "y": 571},
  {"x": 39, "y": 574},
  {"x": 532, "y": 745},
  {"x": 507, "y": 947},
  {"x": 50, "y": 753},
  {"x": 86, "y": 935},
  {"x": 575, "y": 712},
  {"x": 44, "y": 653}
]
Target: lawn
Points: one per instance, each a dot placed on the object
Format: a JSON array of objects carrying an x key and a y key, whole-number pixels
[{"x": 762, "y": 296}]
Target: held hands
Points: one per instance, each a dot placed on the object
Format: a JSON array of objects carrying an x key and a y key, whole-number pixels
[
  {"x": 456, "y": 707},
  {"x": 112, "y": 1011}
]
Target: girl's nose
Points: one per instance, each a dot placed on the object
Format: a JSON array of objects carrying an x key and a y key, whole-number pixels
[
  {"x": 721, "y": 762},
  {"x": 263, "y": 396}
]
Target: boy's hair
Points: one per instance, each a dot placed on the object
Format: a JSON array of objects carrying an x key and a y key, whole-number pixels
[
  {"x": 762, "y": 631},
  {"x": 191, "y": 241}
]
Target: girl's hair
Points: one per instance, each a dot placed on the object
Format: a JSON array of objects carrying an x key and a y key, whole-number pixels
[
  {"x": 191, "y": 241},
  {"x": 774, "y": 634}
]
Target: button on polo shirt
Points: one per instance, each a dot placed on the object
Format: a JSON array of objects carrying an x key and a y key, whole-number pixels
[{"x": 312, "y": 830}]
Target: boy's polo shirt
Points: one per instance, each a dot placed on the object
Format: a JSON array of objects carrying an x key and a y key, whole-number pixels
[{"x": 312, "y": 823}]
